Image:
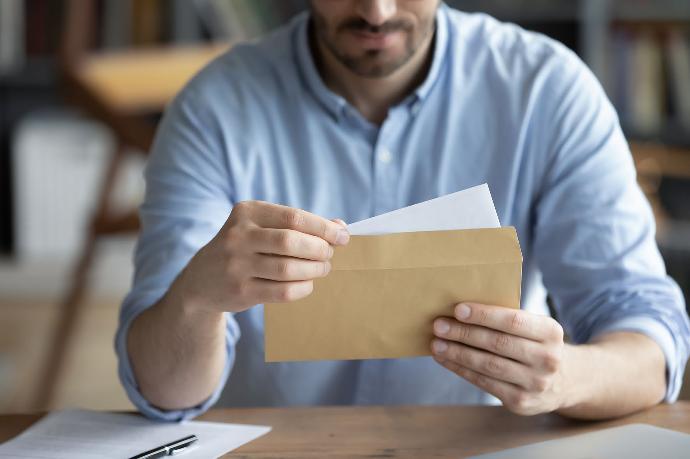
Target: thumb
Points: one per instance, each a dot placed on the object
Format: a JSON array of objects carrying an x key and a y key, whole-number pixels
[{"x": 340, "y": 222}]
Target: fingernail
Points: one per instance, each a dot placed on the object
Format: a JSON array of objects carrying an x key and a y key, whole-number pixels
[
  {"x": 462, "y": 311},
  {"x": 330, "y": 251},
  {"x": 342, "y": 237},
  {"x": 440, "y": 346},
  {"x": 442, "y": 327}
]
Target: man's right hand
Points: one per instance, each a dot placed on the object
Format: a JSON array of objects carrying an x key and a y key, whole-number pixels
[{"x": 264, "y": 253}]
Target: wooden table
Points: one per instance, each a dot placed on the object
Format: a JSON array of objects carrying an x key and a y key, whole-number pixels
[{"x": 439, "y": 432}]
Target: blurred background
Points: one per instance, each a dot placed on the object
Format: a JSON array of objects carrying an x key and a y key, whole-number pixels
[{"x": 83, "y": 84}]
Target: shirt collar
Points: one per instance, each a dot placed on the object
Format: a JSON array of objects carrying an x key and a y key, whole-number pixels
[{"x": 337, "y": 105}]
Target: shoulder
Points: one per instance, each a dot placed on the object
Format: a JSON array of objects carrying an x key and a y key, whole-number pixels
[
  {"x": 510, "y": 52},
  {"x": 535, "y": 78},
  {"x": 246, "y": 73}
]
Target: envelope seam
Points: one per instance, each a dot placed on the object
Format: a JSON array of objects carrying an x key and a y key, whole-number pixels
[{"x": 335, "y": 268}]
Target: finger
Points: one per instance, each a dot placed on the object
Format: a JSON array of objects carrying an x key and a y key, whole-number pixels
[
  {"x": 513, "y": 321},
  {"x": 289, "y": 243},
  {"x": 489, "y": 364},
  {"x": 279, "y": 292},
  {"x": 340, "y": 222},
  {"x": 280, "y": 268},
  {"x": 511, "y": 346},
  {"x": 270, "y": 215},
  {"x": 502, "y": 390}
]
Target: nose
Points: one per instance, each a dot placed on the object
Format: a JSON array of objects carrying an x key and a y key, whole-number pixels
[{"x": 377, "y": 12}]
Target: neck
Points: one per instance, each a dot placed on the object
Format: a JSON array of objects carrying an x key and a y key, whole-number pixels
[{"x": 373, "y": 97}]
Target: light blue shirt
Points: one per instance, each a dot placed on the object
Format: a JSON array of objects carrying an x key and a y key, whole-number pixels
[{"x": 499, "y": 105}]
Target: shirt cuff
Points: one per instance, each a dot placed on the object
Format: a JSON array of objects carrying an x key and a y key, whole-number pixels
[
  {"x": 658, "y": 332},
  {"x": 127, "y": 375}
]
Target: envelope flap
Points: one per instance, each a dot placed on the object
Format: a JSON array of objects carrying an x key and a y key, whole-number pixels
[{"x": 429, "y": 249}]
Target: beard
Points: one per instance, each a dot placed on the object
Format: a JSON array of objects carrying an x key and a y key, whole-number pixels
[{"x": 372, "y": 63}]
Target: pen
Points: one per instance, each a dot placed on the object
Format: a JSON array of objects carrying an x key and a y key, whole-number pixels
[{"x": 168, "y": 449}]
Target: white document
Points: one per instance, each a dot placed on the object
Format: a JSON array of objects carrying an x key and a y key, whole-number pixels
[
  {"x": 633, "y": 441},
  {"x": 467, "y": 209},
  {"x": 79, "y": 434}
]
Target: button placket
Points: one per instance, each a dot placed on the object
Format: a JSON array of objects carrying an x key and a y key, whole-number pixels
[
  {"x": 415, "y": 107},
  {"x": 386, "y": 172}
]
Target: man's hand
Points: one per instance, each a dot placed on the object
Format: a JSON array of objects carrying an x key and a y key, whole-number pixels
[
  {"x": 263, "y": 253},
  {"x": 511, "y": 354}
]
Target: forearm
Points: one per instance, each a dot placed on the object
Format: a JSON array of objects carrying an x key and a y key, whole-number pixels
[
  {"x": 177, "y": 352},
  {"x": 264, "y": 253},
  {"x": 615, "y": 375}
]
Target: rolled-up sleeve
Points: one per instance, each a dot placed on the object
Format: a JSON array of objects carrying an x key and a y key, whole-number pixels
[
  {"x": 188, "y": 198},
  {"x": 594, "y": 232}
]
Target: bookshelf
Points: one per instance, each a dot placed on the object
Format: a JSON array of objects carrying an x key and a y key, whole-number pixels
[
  {"x": 639, "y": 50},
  {"x": 28, "y": 82}
]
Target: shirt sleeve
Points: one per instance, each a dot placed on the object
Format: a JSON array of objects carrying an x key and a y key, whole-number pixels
[
  {"x": 188, "y": 198},
  {"x": 594, "y": 232}
]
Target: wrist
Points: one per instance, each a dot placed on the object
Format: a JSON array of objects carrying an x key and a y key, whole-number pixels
[
  {"x": 571, "y": 389},
  {"x": 184, "y": 303}
]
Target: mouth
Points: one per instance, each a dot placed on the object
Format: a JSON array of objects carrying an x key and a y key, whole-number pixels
[{"x": 375, "y": 40}]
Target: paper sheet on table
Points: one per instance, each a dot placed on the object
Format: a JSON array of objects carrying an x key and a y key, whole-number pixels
[
  {"x": 385, "y": 290},
  {"x": 77, "y": 434}
]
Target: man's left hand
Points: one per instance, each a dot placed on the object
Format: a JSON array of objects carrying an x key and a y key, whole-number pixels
[{"x": 512, "y": 354}]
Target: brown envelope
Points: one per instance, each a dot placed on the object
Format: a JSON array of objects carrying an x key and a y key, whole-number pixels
[{"x": 383, "y": 293}]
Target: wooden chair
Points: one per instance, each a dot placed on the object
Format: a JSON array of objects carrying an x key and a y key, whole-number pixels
[{"x": 126, "y": 90}]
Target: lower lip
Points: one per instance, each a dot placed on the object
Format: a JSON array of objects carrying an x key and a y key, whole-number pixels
[{"x": 375, "y": 40}]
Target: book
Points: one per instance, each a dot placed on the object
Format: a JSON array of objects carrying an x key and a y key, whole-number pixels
[
  {"x": 678, "y": 51},
  {"x": 647, "y": 88},
  {"x": 12, "y": 44}
]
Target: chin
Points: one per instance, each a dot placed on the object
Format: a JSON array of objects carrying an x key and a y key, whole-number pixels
[{"x": 376, "y": 66}]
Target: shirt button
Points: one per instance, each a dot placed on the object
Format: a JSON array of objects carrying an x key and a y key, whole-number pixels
[
  {"x": 414, "y": 109},
  {"x": 385, "y": 156}
]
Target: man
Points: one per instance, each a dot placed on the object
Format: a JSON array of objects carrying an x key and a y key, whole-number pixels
[{"x": 365, "y": 106}]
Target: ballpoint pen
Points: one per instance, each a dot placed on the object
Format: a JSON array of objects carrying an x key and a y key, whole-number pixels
[{"x": 168, "y": 449}]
